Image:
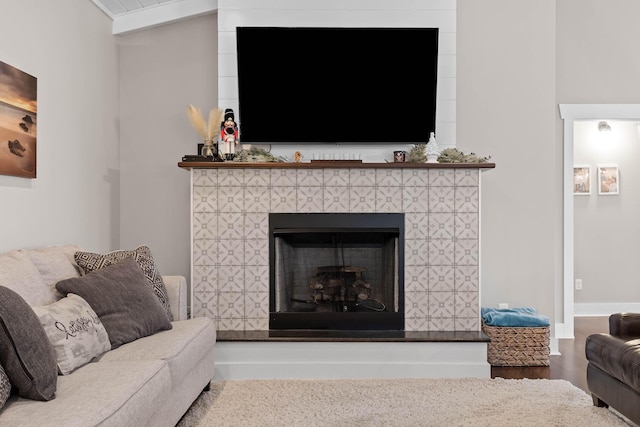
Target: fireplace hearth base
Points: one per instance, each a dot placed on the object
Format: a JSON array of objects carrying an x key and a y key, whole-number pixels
[{"x": 304, "y": 354}]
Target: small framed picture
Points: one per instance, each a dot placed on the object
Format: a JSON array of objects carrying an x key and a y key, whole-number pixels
[
  {"x": 582, "y": 180},
  {"x": 608, "y": 180}
]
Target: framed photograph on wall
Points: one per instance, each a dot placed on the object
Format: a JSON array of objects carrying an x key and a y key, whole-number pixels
[
  {"x": 582, "y": 180},
  {"x": 608, "y": 179},
  {"x": 18, "y": 122}
]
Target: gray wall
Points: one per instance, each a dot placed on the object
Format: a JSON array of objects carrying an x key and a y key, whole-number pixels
[
  {"x": 597, "y": 43},
  {"x": 162, "y": 71},
  {"x": 598, "y": 64},
  {"x": 68, "y": 46},
  {"x": 517, "y": 60},
  {"x": 502, "y": 88},
  {"x": 507, "y": 109}
]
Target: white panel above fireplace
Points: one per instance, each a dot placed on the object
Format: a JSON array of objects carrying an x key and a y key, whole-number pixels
[{"x": 345, "y": 13}]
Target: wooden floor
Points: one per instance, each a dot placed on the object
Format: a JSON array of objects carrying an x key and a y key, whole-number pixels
[{"x": 571, "y": 365}]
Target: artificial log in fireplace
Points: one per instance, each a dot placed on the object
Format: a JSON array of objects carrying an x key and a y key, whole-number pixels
[
  {"x": 342, "y": 287},
  {"x": 336, "y": 271}
]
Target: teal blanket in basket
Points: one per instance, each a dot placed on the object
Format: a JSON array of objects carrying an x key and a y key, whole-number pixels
[{"x": 513, "y": 317}]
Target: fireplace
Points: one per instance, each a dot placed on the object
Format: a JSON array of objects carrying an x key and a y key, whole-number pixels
[
  {"x": 232, "y": 203},
  {"x": 437, "y": 211},
  {"x": 339, "y": 271}
]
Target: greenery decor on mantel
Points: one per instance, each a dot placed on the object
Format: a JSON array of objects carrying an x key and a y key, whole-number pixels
[
  {"x": 256, "y": 155},
  {"x": 417, "y": 154},
  {"x": 453, "y": 155}
]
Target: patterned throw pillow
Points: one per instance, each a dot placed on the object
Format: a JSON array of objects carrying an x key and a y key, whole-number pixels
[
  {"x": 5, "y": 387},
  {"x": 88, "y": 262},
  {"x": 74, "y": 330}
]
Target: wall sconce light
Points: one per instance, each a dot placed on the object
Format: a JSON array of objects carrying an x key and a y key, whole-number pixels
[{"x": 603, "y": 126}]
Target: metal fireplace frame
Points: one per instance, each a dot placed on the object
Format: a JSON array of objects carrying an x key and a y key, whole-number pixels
[{"x": 287, "y": 223}]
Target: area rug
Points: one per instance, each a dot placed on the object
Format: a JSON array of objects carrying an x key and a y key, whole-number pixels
[{"x": 397, "y": 402}]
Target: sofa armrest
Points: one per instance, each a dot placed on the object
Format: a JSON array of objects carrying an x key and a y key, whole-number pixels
[
  {"x": 177, "y": 290},
  {"x": 624, "y": 324}
]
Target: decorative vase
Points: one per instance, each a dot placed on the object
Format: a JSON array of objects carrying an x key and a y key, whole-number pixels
[
  {"x": 432, "y": 149},
  {"x": 209, "y": 149}
]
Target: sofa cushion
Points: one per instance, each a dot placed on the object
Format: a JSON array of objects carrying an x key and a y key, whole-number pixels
[
  {"x": 74, "y": 330},
  {"x": 122, "y": 299},
  {"x": 98, "y": 394},
  {"x": 89, "y": 261},
  {"x": 617, "y": 356},
  {"x": 5, "y": 387},
  {"x": 55, "y": 263},
  {"x": 25, "y": 351},
  {"x": 18, "y": 273},
  {"x": 182, "y": 347}
]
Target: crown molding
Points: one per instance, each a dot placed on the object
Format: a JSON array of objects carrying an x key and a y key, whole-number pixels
[{"x": 149, "y": 17}]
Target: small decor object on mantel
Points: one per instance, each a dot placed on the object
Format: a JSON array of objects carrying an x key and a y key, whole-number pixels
[
  {"x": 399, "y": 156},
  {"x": 297, "y": 157},
  {"x": 453, "y": 155},
  {"x": 417, "y": 154},
  {"x": 207, "y": 131},
  {"x": 432, "y": 151},
  {"x": 229, "y": 133}
]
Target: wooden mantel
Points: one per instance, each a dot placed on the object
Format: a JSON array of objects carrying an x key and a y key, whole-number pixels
[{"x": 333, "y": 164}]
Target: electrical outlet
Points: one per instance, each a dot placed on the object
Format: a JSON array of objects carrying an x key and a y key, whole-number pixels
[
  {"x": 578, "y": 284},
  {"x": 503, "y": 305}
]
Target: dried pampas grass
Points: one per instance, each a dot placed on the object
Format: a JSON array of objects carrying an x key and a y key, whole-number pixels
[
  {"x": 215, "y": 118},
  {"x": 206, "y": 131},
  {"x": 197, "y": 121}
]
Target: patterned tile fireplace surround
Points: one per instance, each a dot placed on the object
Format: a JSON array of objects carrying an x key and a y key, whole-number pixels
[{"x": 231, "y": 203}]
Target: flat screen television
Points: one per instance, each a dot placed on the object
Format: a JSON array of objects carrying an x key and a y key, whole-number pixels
[{"x": 302, "y": 85}]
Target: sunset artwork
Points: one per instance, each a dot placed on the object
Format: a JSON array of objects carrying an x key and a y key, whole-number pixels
[{"x": 18, "y": 122}]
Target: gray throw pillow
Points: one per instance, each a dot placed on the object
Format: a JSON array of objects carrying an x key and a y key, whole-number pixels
[
  {"x": 5, "y": 387},
  {"x": 121, "y": 297},
  {"x": 25, "y": 351},
  {"x": 89, "y": 261}
]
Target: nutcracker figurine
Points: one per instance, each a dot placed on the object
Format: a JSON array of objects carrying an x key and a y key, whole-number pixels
[{"x": 229, "y": 134}]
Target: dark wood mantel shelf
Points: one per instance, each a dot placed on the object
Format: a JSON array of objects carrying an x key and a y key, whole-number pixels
[{"x": 333, "y": 164}]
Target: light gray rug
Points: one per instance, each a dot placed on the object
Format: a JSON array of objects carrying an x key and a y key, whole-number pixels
[{"x": 397, "y": 402}]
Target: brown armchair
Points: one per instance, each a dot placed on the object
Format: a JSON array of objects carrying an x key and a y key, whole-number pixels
[{"x": 613, "y": 371}]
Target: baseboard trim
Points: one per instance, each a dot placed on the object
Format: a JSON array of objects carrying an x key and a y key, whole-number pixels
[
  {"x": 604, "y": 309},
  {"x": 312, "y": 360}
]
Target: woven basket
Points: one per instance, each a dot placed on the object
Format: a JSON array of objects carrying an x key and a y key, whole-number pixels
[{"x": 517, "y": 346}]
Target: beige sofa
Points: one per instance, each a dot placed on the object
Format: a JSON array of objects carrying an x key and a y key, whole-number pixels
[{"x": 151, "y": 381}]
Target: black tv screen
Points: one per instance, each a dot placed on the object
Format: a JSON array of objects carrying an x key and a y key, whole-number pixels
[{"x": 300, "y": 85}]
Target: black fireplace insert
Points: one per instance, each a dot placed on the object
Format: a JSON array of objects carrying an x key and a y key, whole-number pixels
[{"x": 336, "y": 271}]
